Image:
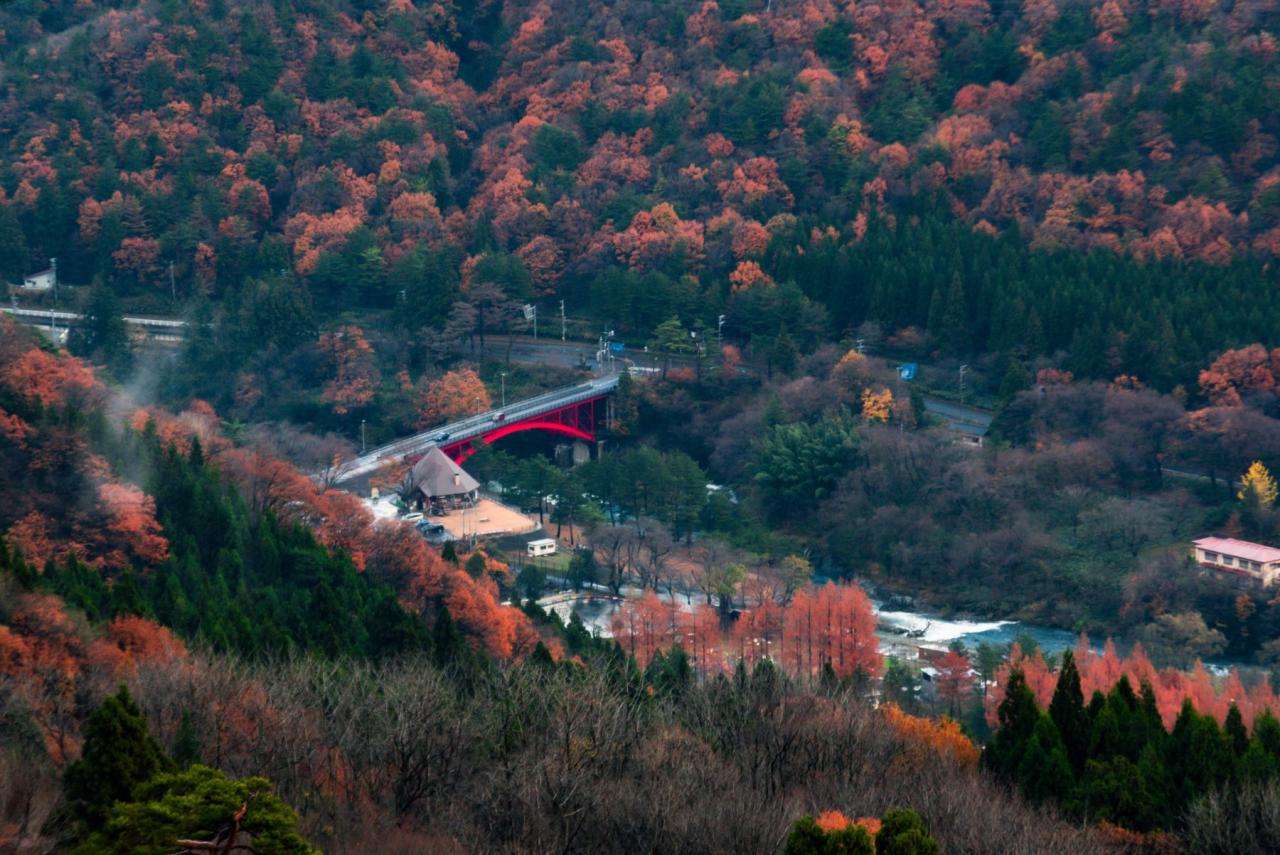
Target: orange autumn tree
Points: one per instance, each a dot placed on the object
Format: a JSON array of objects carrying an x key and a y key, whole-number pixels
[
  {"x": 877, "y": 404},
  {"x": 941, "y": 736},
  {"x": 1237, "y": 374},
  {"x": 454, "y": 395},
  {"x": 832, "y": 625},
  {"x": 355, "y": 370}
]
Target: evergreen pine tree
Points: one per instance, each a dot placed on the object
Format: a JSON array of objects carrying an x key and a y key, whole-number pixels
[
  {"x": 1017, "y": 716},
  {"x": 1044, "y": 773},
  {"x": 119, "y": 754},
  {"x": 1114, "y": 791},
  {"x": 903, "y": 832},
  {"x": 1015, "y": 380},
  {"x": 1068, "y": 712},
  {"x": 186, "y": 745},
  {"x": 1234, "y": 730},
  {"x": 953, "y": 328},
  {"x": 101, "y": 333},
  {"x": 448, "y": 645},
  {"x": 476, "y": 565},
  {"x": 14, "y": 256},
  {"x": 1262, "y": 760}
]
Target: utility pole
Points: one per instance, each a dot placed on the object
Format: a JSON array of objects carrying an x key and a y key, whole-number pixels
[
  {"x": 363, "y": 446},
  {"x": 562, "y": 320},
  {"x": 964, "y": 369},
  {"x": 720, "y": 332}
]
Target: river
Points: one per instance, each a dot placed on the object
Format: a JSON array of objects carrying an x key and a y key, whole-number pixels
[{"x": 896, "y": 626}]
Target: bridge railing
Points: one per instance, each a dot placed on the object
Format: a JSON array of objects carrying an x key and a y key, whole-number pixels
[{"x": 479, "y": 424}]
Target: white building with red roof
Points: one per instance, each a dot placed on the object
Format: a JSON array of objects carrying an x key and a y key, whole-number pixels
[{"x": 1242, "y": 557}]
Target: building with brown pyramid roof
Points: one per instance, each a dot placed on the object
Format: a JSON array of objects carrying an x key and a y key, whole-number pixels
[{"x": 436, "y": 481}]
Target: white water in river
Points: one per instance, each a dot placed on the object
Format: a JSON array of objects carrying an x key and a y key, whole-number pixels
[
  {"x": 933, "y": 630},
  {"x": 914, "y": 627}
]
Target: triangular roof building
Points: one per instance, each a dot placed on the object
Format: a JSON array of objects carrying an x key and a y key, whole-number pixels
[{"x": 435, "y": 476}]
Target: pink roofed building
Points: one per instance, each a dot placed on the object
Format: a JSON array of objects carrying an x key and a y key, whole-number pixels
[{"x": 1241, "y": 557}]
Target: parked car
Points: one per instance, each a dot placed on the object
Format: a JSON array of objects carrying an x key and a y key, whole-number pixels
[{"x": 500, "y": 417}]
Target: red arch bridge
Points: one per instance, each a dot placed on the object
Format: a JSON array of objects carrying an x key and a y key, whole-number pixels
[{"x": 573, "y": 411}]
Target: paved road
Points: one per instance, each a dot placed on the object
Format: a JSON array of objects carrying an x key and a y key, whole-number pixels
[
  {"x": 954, "y": 412},
  {"x": 476, "y": 425}
]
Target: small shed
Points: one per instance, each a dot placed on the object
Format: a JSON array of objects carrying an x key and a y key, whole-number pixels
[
  {"x": 42, "y": 281},
  {"x": 437, "y": 483}
]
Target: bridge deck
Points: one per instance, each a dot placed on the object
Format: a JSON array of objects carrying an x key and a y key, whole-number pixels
[
  {"x": 478, "y": 425},
  {"x": 41, "y": 316}
]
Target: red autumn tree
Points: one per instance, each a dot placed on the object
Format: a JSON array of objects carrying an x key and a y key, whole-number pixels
[
  {"x": 131, "y": 534},
  {"x": 955, "y": 679},
  {"x": 52, "y": 381}
]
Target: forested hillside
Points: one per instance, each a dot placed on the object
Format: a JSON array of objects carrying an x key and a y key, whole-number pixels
[
  {"x": 910, "y": 164},
  {"x": 1062, "y": 216}
]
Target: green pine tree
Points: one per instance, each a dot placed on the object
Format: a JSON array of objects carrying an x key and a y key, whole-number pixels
[
  {"x": 1044, "y": 773},
  {"x": 1068, "y": 712},
  {"x": 1017, "y": 716},
  {"x": 186, "y": 745},
  {"x": 193, "y": 805},
  {"x": 119, "y": 755},
  {"x": 903, "y": 832},
  {"x": 808, "y": 838}
]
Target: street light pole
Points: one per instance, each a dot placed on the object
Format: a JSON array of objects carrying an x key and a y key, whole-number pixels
[
  {"x": 363, "y": 445},
  {"x": 502, "y": 375},
  {"x": 964, "y": 368},
  {"x": 562, "y": 320}
]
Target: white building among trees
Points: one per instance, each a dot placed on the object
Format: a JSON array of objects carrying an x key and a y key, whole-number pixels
[{"x": 1241, "y": 557}]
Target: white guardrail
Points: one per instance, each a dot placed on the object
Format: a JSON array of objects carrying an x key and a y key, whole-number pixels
[{"x": 477, "y": 425}]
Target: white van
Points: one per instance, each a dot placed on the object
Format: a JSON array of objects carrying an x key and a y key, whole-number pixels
[{"x": 545, "y": 546}]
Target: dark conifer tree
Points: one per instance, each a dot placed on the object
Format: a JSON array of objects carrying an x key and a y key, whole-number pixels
[
  {"x": 1017, "y": 715},
  {"x": 119, "y": 754},
  {"x": 1068, "y": 712},
  {"x": 1044, "y": 773}
]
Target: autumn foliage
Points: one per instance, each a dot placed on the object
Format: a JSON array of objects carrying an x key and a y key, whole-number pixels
[
  {"x": 451, "y": 396},
  {"x": 1101, "y": 671},
  {"x": 832, "y": 625}
]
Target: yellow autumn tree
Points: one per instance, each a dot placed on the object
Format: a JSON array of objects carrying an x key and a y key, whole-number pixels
[
  {"x": 1257, "y": 487},
  {"x": 877, "y": 404}
]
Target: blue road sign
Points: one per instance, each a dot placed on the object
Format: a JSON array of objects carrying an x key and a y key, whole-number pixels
[
  {"x": 907, "y": 371},
  {"x": 617, "y": 346}
]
